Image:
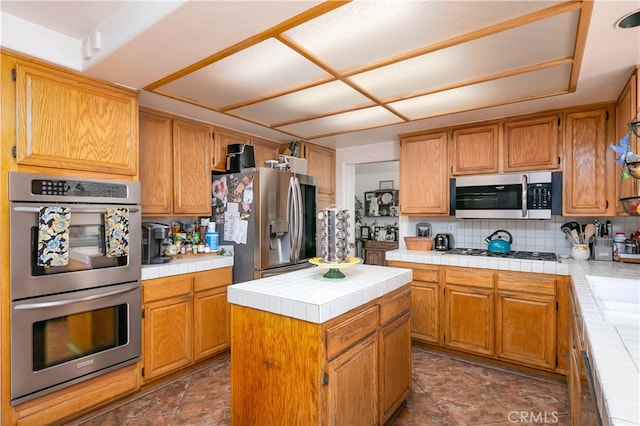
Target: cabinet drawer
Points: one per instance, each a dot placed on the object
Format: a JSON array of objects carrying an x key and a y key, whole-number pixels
[
  {"x": 214, "y": 278},
  {"x": 395, "y": 307},
  {"x": 527, "y": 283},
  {"x": 469, "y": 277},
  {"x": 426, "y": 275},
  {"x": 164, "y": 288},
  {"x": 349, "y": 332}
]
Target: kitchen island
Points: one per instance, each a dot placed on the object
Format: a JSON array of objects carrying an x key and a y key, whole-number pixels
[
  {"x": 312, "y": 350},
  {"x": 612, "y": 346}
]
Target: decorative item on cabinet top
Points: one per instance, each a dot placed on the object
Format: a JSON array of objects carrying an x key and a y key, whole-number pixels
[{"x": 381, "y": 203}]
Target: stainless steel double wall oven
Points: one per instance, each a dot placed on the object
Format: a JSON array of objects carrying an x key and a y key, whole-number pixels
[{"x": 75, "y": 255}]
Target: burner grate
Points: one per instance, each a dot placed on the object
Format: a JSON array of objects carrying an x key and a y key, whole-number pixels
[{"x": 528, "y": 255}]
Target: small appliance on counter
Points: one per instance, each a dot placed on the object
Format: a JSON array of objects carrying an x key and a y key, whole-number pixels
[
  {"x": 443, "y": 242},
  {"x": 240, "y": 156},
  {"x": 152, "y": 236},
  {"x": 423, "y": 229}
]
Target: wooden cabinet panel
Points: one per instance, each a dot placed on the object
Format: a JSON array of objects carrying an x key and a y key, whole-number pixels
[
  {"x": 395, "y": 367},
  {"x": 425, "y": 312},
  {"x": 211, "y": 328},
  {"x": 626, "y": 111},
  {"x": 264, "y": 150},
  {"x": 192, "y": 175},
  {"x": 424, "y": 176},
  {"x": 475, "y": 150},
  {"x": 531, "y": 144},
  {"x": 469, "y": 277},
  {"x": 394, "y": 307},
  {"x": 68, "y": 121},
  {"x": 349, "y": 332},
  {"x": 352, "y": 391},
  {"x": 156, "y": 162},
  {"x": 526, "y": 283},
  {"x": 321, "y": 163},
  {"x": 587, "y": 185},
  {"x": 375, "y": 251},
  {"x": 222, "y": 139},
  {"x": 469, "y": 319},
  {"x": 168, "y": 341},
  {"x": 516, "y": 338}
]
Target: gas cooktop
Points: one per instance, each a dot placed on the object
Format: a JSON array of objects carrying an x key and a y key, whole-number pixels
[{"x": 532, "y": 255}]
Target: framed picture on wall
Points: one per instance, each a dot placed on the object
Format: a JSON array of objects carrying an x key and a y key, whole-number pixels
[
  {"x": 386, "y": 184},
  {"x": 365, "y": 232}
]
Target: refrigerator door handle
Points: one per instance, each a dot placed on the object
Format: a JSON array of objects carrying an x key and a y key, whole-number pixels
[
  {"x": 292, "y": 209},
  {"x": 299, "y": 224}
]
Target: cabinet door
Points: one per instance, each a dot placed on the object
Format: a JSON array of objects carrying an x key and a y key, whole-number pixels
[
  {"x": 352, "y": 385},
  {"x": 222, "y": 139},
  {"x": 211, "y": 314},
  {"x": 587, "y": 185},
  {"x": 374, "y": 257},
  {"x": 425, "y": 312},
  {"x": 526, "y": 329},
  {"x": 475, "y": 150},
  {"x": 531, "y": 144},
  {"x": 395, "y": 365},
  {"x": 424, "y": 178},
  {"x": 191, "y": 171},
  {"x": 67, "y": 121},
  {"x": 264, "y": 150},
  {"x": 626, "y": 112},
  {"x": 168, "y": 341},
  {"x": 156, "y": 163},
  {"x": 469, "y": 319},
  {"x": 321, "y": 163}
]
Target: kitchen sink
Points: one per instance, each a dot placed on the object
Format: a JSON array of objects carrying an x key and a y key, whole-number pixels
[{"x": 617, "y": 298}]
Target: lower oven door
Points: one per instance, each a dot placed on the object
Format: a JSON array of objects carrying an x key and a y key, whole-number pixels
[{"x": 62, "y": 339}]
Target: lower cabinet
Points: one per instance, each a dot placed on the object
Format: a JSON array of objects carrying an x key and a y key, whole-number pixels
[
  {"x": 353, "y": 369},
  {"x": 375, "y": 251},
  {"x": 186, "y": 319}
]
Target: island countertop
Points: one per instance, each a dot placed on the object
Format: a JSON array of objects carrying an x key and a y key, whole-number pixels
[{"x": 308, "y": 296}]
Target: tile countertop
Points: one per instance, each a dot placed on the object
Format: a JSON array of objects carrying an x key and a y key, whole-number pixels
[
  {"x": 615, "y": 349},
  {"x": 307, "y": 295},
  {"x": 185, "y": 266}
]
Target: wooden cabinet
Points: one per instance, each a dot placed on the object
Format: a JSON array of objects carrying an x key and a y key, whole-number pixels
[
  {"x": 626, "y": 111},
  {"x": 353, "y": 369},
  {"x": 186, "y": 319},
  {"x": 531, "y": 144},
  {"x": 264, "y": 150},
  {"x": 222, "y": 139},
  {"x": 375, "y": 251},
  {"x": 67, "y": 121},
  {"x": 175, "y": 176},
  {"x": 523, "y": 300},
  {"x": 588, "y": 187},
  {"x": 321, "y": 163},
  {"x": 425, "y": 300},
  {"x": 424, "y": 176},
  {"x": 468, "y": 310},
  {"x": 475, "y": 150}
]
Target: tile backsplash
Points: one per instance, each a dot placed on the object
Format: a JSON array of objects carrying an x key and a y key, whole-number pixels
[{"x": 528, "y": 235}]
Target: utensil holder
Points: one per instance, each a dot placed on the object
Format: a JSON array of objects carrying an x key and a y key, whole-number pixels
[{"x": 603, "y": 249}]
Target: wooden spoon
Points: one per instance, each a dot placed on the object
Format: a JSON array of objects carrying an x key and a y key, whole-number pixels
[
  {"x": 589, "y": 231},
  {"x": 576, "y": 237}
]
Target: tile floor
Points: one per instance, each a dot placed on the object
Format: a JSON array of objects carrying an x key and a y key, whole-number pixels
[{"x": 446, "y": 391}]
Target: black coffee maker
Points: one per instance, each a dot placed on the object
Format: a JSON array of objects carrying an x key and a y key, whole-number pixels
[{"x": 152, "y": 236}]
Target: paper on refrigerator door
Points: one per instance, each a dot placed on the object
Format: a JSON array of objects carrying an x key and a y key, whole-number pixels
[{"x": 235, "y": 229}]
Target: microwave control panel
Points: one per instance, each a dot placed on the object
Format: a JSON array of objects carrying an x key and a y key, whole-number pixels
[{"x": 539, "y": 196}]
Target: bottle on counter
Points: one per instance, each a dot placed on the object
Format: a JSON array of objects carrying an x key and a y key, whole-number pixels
[
  {"x": 619, "y": 244},
  {"x": 212, "y": 238}
]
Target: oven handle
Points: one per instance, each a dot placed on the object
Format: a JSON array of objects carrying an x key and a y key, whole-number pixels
[
  {"x": 78, "y": 210},
  {"x": 63, "y": 302}
]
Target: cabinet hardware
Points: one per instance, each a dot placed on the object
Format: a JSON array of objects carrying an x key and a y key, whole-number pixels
[
  {"x": 142, "y": 371},
  {"x": 14, "y": 151},
  {"x": 325, "y": 379},
  {"x": 558, "y": 121},
  {"x": 606, "y": 204},
  {"x": 13, "y": 74},
  {"x": 559, "y": 161},
  {"x": 607, "y": 116},
  {"x": 142, "y": 312}
]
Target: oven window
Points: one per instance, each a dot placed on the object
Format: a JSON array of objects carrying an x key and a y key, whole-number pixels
[
  {"x": 86, "y": 251},
  {"x": 63, "y": 339}
]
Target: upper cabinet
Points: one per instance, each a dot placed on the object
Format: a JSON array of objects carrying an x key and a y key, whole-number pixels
[
  {"x": 626, "y": 111},
  {"x": 264, "y": 150},
  {"x": 424, "y": 175},
  {"x": 531, "y": 144},
  {"x": 175, "y": 175},
  {"x": 588, "y": 187},
  {"x": 321, "y": 163},
  {"x": 222, "y": 139},
  {"x": 68, "y": 121},
  {"x": 474, "y": 150}
]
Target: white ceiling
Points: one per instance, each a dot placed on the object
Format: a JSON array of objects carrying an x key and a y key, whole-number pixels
[{"x": 349, "y": 74}]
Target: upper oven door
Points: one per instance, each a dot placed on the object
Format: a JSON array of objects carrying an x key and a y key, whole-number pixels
[{"x": 88, "y": 263}]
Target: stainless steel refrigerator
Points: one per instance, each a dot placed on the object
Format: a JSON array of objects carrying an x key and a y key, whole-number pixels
[{"x": 269, "y": 217}]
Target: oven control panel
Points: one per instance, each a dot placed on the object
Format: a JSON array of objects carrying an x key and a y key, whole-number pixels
[{"x": 77, "y": 188}]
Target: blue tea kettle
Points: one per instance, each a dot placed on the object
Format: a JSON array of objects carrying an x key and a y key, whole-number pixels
[{"x": 497, "y": 244}]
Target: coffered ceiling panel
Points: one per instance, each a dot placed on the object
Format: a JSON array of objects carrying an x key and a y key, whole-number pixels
[{"x": 343, "y": 66}]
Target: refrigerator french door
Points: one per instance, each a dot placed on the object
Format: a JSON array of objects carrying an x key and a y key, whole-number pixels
[{"x": 269, "y": 217}]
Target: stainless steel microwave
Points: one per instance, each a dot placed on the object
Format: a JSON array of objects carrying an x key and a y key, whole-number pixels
[{"x": 532, "y": 195}]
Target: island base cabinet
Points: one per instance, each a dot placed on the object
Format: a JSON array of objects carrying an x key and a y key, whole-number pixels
[{"x": 352, "y": 369}]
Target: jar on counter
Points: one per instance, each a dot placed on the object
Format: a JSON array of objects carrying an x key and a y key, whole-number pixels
[{"x": 619, "y": 244}]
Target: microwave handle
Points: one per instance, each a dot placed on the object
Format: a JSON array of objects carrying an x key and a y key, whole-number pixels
[
  {"x": 73, "y": 209},
  {"x": 524, "y": 195}
]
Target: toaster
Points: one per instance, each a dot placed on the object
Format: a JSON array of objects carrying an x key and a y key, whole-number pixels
[{"x": 443, "y": 242}]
